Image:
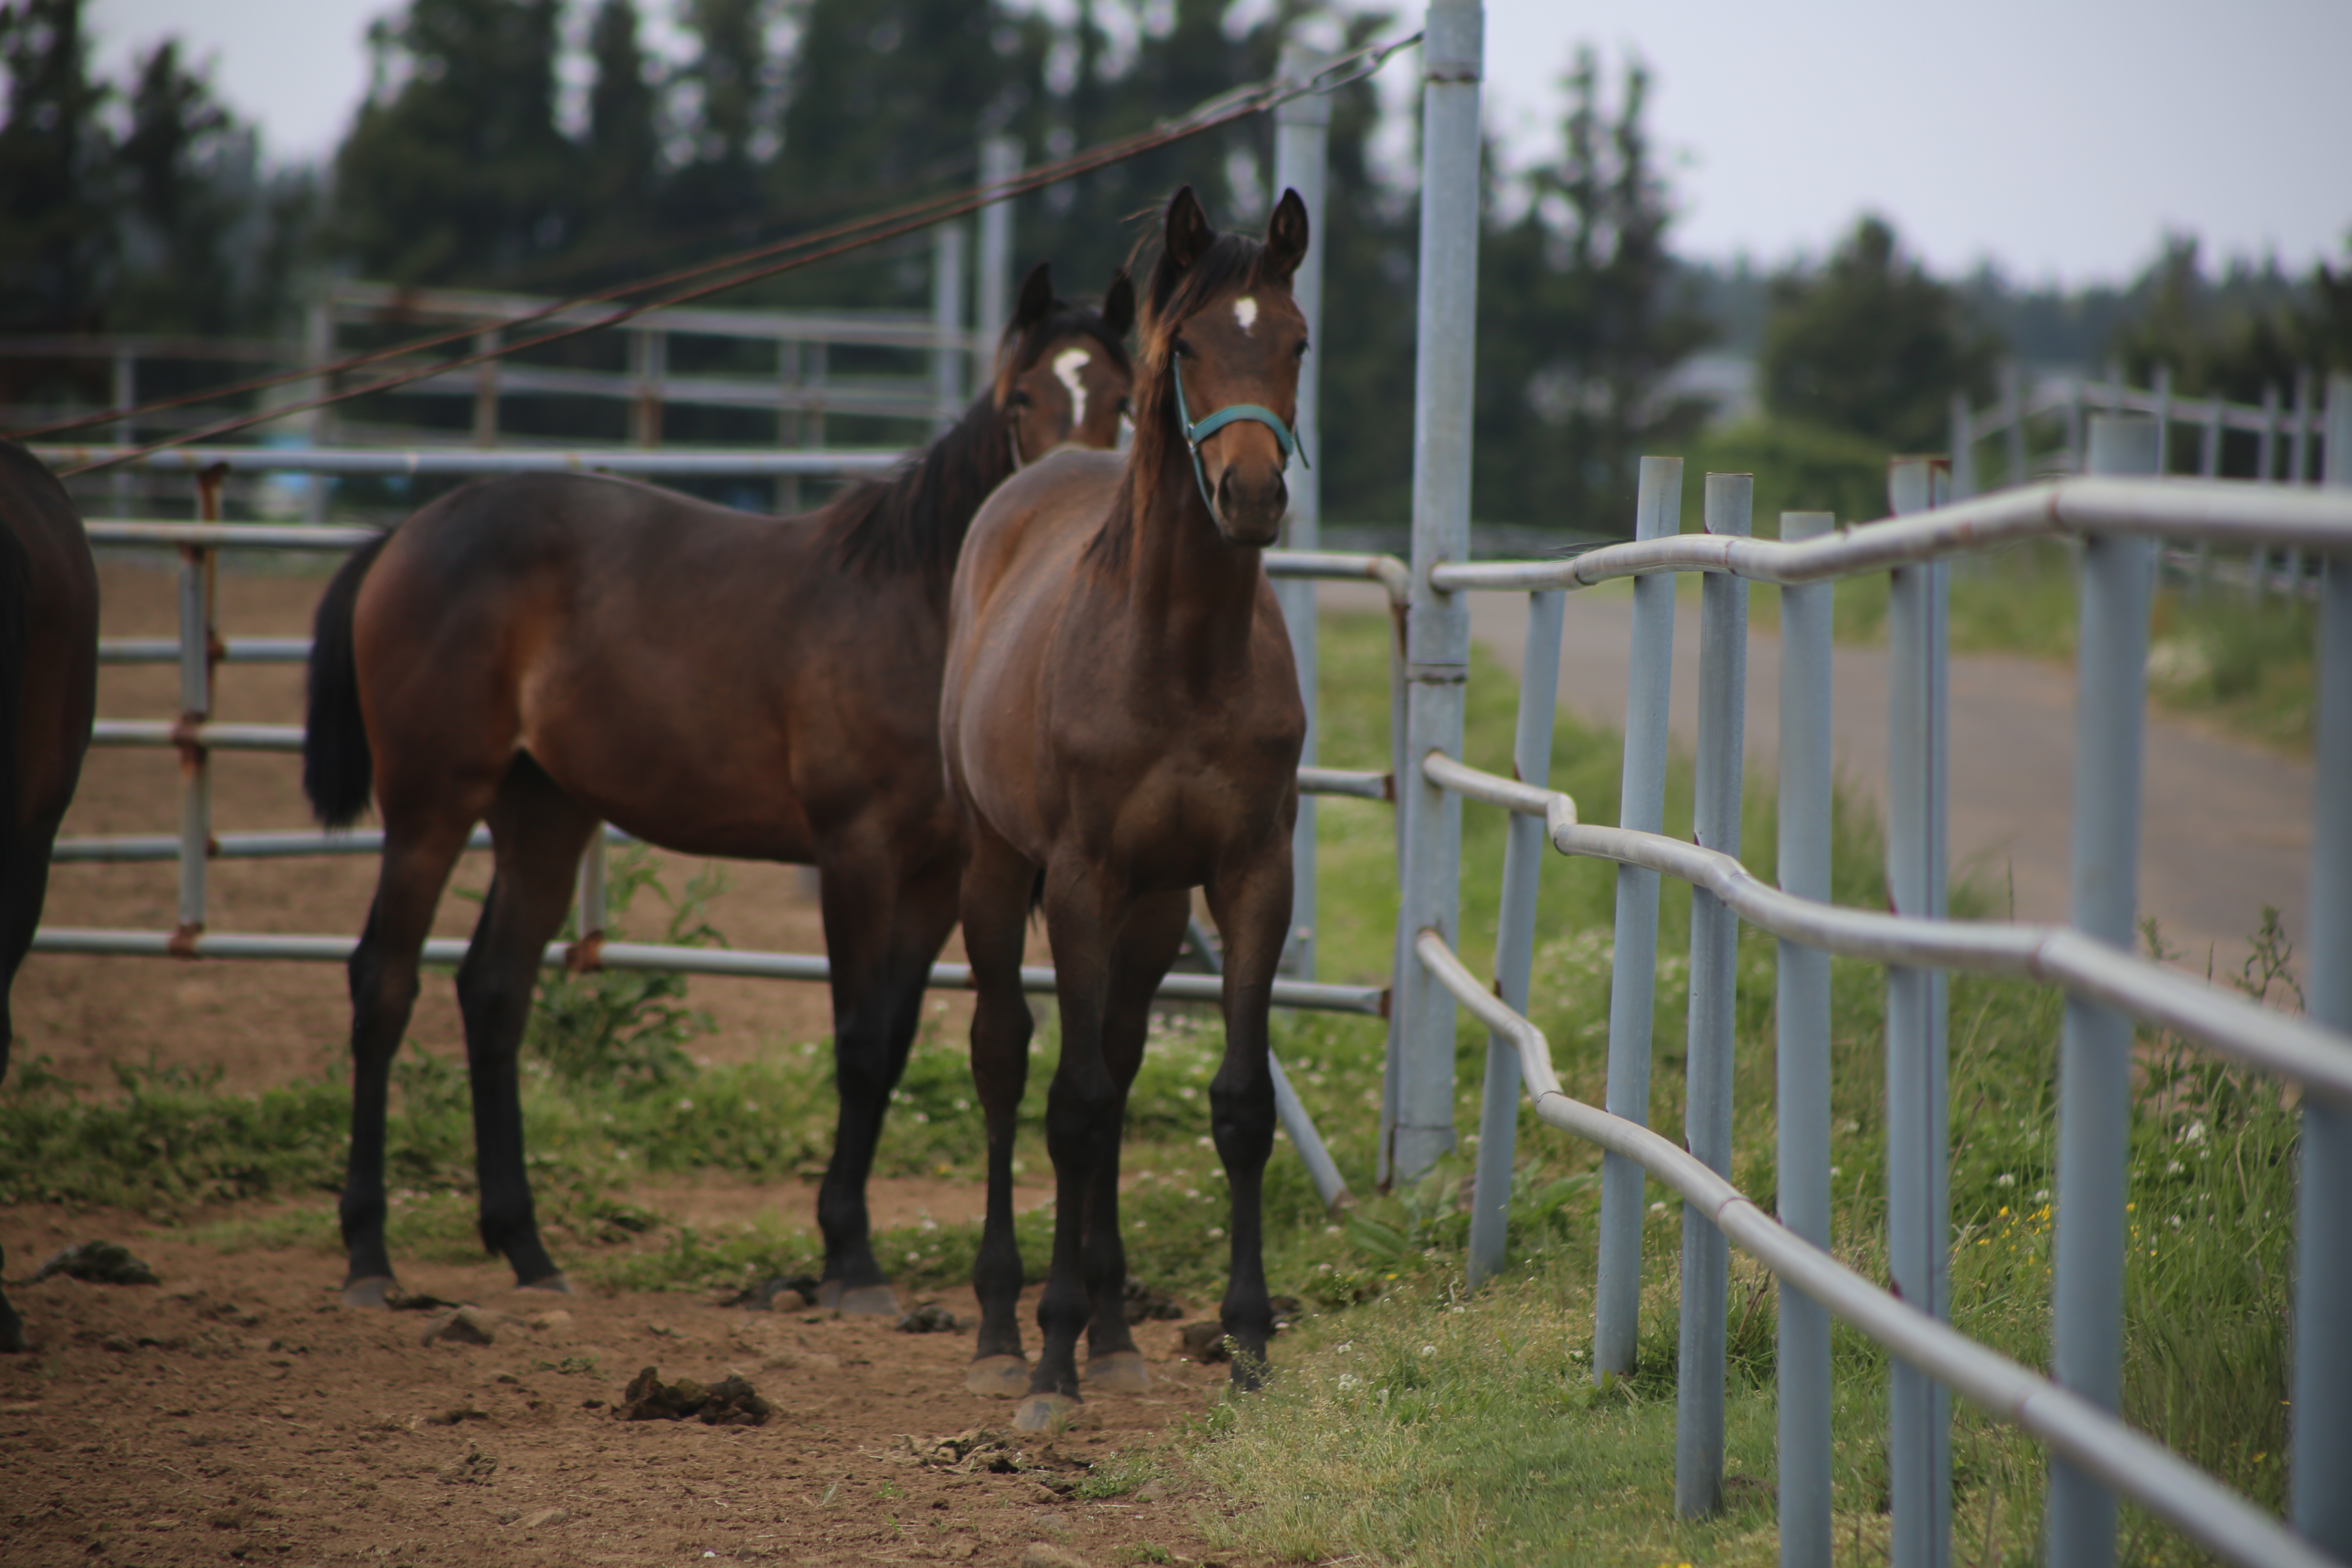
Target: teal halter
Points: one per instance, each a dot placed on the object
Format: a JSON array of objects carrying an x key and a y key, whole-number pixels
[{"x": 1195, "y": 434}]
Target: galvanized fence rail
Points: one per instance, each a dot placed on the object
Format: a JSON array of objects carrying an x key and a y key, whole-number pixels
[{"x": 2095, "y": 1457}]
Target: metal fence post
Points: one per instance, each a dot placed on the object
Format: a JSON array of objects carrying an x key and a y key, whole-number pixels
[
  {"x": 317, "y": 348},
  {"x": 1964, "y": 449},
  {"x": 2320, "y": 1503},
  {"x": 1713, "y": 981},
  {"x": 2298, "y": 465},
  {"x": 1633, "y": 955},
  {"x": 2094, "y": 1066},
  {"x": 1802, "y": 1091},
  {"x": 198, "y": 644},
  {"x": 126, "y": 395},
  {"x": 1514, "y": 937},
  {"x": 1302, "y": 129},
  {"x": 1438, "y": 629},
  {"x": 991, "y": 301},
  {"x": 2208, "y": 467},
  {"x": 2013, "y": 396},
  {"x": 2163, "y": 415},
  {"x": 648, "y": 367},
  {"x": 1918, "y": 1201},
  {"x": 486, "y": 388},
  {"x": 947, "y": 319}
]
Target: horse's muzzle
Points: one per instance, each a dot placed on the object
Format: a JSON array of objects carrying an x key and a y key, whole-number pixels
[{"x": 1251, "y": 513}]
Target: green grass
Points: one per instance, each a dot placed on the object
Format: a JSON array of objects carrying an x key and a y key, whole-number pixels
[{"x": 1491, "y": 1445}]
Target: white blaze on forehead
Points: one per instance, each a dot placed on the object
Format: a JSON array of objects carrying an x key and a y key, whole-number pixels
[
  {"x": 1245, "y": 311},
  {"x": 1066, "y": 365}
]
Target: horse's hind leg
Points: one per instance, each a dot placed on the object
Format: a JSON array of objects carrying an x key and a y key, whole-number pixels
[
  {"x": 1149, "y": 944},
  {"x": 996, "y": 887},
  {"x": 23, "y": 881},
  {"x": 537, "y": 833},
  {"x": 417, "y": 857},
  {"x": 881, "y": 961}
]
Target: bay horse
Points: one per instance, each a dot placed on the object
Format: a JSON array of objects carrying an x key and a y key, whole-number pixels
[
  {"x": 547, "y": 651},
  {"x": 1120, "y": 724},
  {"x": 49, "y": 691}
]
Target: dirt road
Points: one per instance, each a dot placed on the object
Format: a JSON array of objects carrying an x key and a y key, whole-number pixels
[{"x": 2225, "y": 828}]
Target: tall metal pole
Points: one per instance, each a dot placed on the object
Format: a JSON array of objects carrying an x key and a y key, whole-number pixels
[
  {"x": 1302, "y": 131},
  {"x": 1437, "y": 650},
  {"x": 1711, "y": 1036},
  {"x": 1918, "y": 1199},
  {"x": 1964, "y": 449},
  {"x": 2094, "y": 1062},
  {"x": 947, "y": 317},
  {"x": 991, "y": 301},
  {"x": 2320, "y": 1503},
  {"x": 1633, "y": 963},
  {"x": 1801, "y": 1101},
  {"x": 1515, "y": 938}
]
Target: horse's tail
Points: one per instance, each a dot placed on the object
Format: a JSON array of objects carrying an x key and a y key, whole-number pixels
[{"x": 337, "y": 770}]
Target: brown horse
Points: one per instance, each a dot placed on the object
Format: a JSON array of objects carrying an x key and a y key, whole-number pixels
[
  {"x": 49, "y": 688},
  {"x": 544, "y": 652},
  {"x": 1120, "y": 724}
]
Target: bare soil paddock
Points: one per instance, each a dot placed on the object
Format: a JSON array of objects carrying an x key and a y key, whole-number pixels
[{"x": 236, "y": 1412}]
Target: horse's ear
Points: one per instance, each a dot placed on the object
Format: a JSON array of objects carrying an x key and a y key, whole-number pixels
[
  {"x": 1188, "y": 234},
  {"x": 1036, "y": 300},
  {"x": 1118, "y": 306},
  {"x": 1285, "y": 237}
]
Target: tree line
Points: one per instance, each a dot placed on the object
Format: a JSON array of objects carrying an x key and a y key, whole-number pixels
[{"x": 141, "y": 205}]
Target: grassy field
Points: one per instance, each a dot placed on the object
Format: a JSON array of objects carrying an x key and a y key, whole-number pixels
[{"x": 1409, "y": 1422}]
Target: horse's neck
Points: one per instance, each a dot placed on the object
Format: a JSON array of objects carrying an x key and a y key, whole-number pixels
[{"x": 1192, "y": 595}]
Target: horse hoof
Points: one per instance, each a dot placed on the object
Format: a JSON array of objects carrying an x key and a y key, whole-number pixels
[
  {"x": 863, "y": 1301},
  {"x": 997, "y": 1377},
  {"x": 555, "y": 1283},
  {"x": 1043, "y": 1411},
  {"x": 1122, "y": 1371},
  {"x": 375, "y": 1290}
]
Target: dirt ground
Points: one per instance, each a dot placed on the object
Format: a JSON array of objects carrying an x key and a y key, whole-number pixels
[{"x": 236, "y": 1412}]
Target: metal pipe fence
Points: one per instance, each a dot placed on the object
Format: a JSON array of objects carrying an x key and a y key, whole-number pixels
[{"x": 2095, "y": 1458}]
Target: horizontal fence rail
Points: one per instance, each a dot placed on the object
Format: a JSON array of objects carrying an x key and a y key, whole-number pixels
[
  {"x": 667, "y": 463},
  {"x": 449, "y": 950},
  {"x": 2141, "y": 1468}
]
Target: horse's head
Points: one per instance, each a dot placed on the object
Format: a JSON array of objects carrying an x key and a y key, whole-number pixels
[
  {"x": 1062, "y": 373},
  {"x": 1221, "y": 344}
]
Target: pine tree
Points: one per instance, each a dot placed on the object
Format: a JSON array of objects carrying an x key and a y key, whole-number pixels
[
  {"x": 56, "y": 218},
  {"x": 623, "y": 151},
  {"x": 459, "y": 175}
]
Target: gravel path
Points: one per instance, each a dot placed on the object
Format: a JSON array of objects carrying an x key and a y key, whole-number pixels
[{"x": 2225, "y": 828}]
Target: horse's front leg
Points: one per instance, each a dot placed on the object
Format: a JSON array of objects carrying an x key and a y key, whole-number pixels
[
  {"x": 1082, "y": 1128},
  {"x": 1251, "y": 907},
  {"x": 1149, "y": 944},
  {"x": 882, "y": 938}
]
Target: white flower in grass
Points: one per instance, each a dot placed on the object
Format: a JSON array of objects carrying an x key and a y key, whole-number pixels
[
  {"x": 1350, "y": 1382},
  {"x": 1216, "y": 1232},
  {"x": 2041, "y": 1194},
  {"x": 2004, "y": 1180},
  {"x": 1429, "y": 1349},
  {"x": 2173, "y": 1167},
  {"x": 1657, "y": 1209},
  {"x": 686, "y": 1105}
]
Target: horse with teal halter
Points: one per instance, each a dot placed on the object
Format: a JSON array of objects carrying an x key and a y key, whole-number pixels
[{"x": 1197, "y": 431}]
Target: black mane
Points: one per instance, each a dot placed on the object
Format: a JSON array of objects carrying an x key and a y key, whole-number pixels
[{"x": 914, "y": 520}]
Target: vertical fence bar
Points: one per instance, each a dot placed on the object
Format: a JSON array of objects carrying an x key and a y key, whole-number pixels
[
  {"x": 126, "y": 395},
  {"x": 1918, "y": 1221},
  {"x": 2266, "y": 443},
  {"x": 1288, "y": 1109},
  {"x": 947, "y": 319},
  {"x": 1302, "y": 129},
  {"x": 790, "y": 427},
  {"x": 317, "y": 348},
  {"x": 2298, "y": 468},
  {"x": 2094, "y": 1064},
  {"x": 1515, "y": 938},
  {"x": 1438, "y": 627},
  {"x": 1964, "y": 449},
  {"x": 1714, "y": 980},
  {"x": 2208, "y": 467},
  {"x": 486, "y": 389},
  {"x": 1633, "y": 958},
  {"x": 991, "y": 297},
  {"x": 2074, "y": 401},
  {"x": 198, "y": 643},
  {"x": 648, "y": 367},
  {"x": 1802, "y": 1051},
  {"x": 2012, "y": 392},
  {"x": 2320, "y": 1503}
]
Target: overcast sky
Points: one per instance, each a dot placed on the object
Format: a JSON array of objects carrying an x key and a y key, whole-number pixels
[{"x": 2056, "y": 138}]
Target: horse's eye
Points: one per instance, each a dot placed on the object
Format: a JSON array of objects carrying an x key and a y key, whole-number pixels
[
  {"x": 1183, "y": 349},
  {"x": 1125, "y": 408},
  {"x": 1020, "y": 399},
  {"x": 1300, "y": 352}
]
